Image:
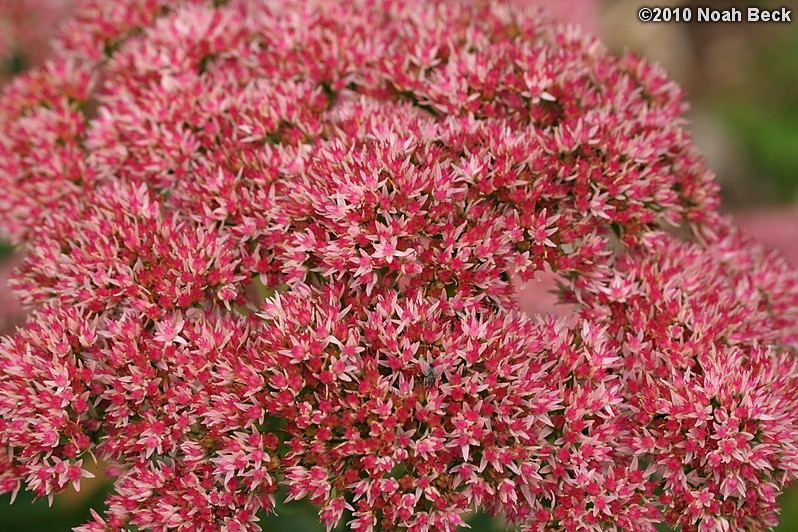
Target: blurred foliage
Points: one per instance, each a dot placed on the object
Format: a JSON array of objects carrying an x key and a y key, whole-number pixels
[
  {"x": 770, "y": 139},
  {"x": 5, "y": 250},
  {"x": 14, "y": 64},
  {"x": 763, "y": 117},
  {"x": 29, "y": 515},
  {"x": 789, "y": 511}
]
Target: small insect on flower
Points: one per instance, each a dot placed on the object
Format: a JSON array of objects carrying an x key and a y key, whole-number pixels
[{"x": 429, "y": 372}]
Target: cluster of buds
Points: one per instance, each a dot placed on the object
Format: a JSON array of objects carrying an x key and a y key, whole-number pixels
[{"x": 279, "y": 243}]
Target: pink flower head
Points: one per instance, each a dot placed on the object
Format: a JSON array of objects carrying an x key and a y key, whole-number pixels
[{"x": 280, "y": 244}]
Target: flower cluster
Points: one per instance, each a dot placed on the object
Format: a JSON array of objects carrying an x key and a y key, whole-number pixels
[
  {"x": 25, "y": 28},
  {"x": 279, "y": 245},
  {"x": 708, "y": 335}
]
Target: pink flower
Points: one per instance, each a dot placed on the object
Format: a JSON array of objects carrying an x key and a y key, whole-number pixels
[{"x": 282, "y": 245}]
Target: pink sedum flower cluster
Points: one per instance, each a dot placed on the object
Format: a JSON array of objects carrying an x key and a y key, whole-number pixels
[
  {"x": 26, "y": 27},
  {"x": 280, "y": 244}
]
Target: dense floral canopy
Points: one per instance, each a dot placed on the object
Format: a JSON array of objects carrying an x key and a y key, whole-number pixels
[{"x": 276, "y": 242}]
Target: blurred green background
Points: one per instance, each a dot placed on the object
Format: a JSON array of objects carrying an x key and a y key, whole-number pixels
[
  {"x": 742, "y": 83},
  {"x": 72, "y": 509}
]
